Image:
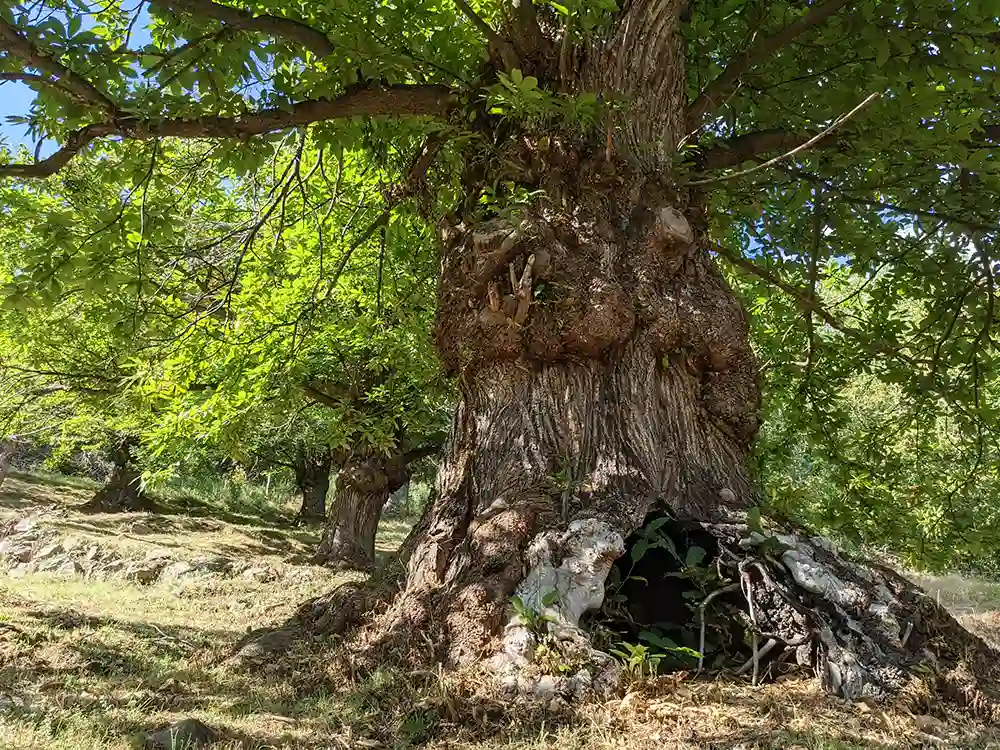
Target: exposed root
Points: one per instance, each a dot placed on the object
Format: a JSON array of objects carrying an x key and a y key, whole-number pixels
[
  {"x": 332, "y": 614},
  {"x": 865, "y": 631}
]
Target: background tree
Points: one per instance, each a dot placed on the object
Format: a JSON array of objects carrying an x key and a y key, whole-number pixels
[
  {"x": 325, "y": 358},
  {"x": 595, "y": 162}
]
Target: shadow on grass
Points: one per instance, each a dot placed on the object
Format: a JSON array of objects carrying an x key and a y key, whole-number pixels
[
  {"x": 23, "y": 491},
  {"x": 56, "y": 481},
  {"x": 105, "y": 677}
]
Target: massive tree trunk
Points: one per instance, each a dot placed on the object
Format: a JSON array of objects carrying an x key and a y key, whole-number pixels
[
  {"x": 607, "y": 380},
  {"x": 312, "y": 477},
  {"x": 629, "y": 393},
  {"x": 123, "y": 490},
  {"x": 364, "y": 484}
]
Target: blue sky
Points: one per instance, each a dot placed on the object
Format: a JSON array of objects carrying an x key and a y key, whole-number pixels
[{"x": 16, "y": 97}]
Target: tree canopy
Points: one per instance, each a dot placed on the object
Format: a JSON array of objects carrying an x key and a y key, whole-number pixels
[{"x": 219, "y": 162}]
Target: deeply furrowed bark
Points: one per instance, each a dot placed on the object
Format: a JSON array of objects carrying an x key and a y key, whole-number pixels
[
  {"x": 627, "y": 391},
  {"x": 123, "y": 490},
  {"x": 312, "y": 477},
  {"x": 606, "y": 378},
  {"x": 632, "y": 388},
  {"x": 364, "y": 484}
]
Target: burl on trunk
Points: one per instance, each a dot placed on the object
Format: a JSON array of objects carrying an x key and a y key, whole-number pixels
[
  {"x": 605, "y": 374},
  {"x": 607, "y": 379},
  {"x": 364, "y": 484}
]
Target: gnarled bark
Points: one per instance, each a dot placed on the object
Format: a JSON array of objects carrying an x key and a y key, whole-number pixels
[
  {"x": 627, "y": 391},
  {"x": 606, "y": 378},
  {"x": 312, "y": 477},
  {"x": 364, "y": 484},
  {"x": 123, "y": 490},
  {"x": 629, "y": 386}
]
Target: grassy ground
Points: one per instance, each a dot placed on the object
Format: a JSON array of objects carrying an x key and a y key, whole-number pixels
[{"x": 91, "y": 665}]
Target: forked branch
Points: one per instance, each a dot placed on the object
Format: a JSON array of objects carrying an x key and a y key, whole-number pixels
[
  {"x": 17, "y": 44},
  {"x": 504, "y": 47},
  {"x": 719, "y": 89}
]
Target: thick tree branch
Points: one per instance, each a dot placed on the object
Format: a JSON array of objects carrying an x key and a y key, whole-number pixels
[
  {"x": 742, "y": 148},
  {"x": 18, "y": 45},
  {"x": 25, "y": 78},
  {"x": 507, "y": 53},
  {"x": 423, "y": 452},
  {"x": 321, "y": 397},
  {"x": 807, "y": 302},
  {"x": 273, "y": 26},
  {"x": 717, "y": 91},
  {"x": 403, "y": 100},
  {"x": 527, "y": 34}
]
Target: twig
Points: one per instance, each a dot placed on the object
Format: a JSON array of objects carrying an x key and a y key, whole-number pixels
[
  {"x": 172, "y": 638},
  {"x": 802, "y": 297},
  {"x": 798, "y": 149},
  {"x": 754, "y": 661},
  {"x": 701, "y": 612},
  {"x": 906, "y": 634},
  {"x": 748, "y": 593}
]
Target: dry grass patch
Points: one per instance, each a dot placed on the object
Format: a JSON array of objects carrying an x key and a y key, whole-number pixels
[{"x": 95, "y": 665}]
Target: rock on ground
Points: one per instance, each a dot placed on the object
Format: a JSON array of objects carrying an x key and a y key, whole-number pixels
[{"x": 186, "y": 734}]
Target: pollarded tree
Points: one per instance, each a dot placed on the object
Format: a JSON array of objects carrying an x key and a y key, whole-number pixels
[
  {"x": 598, "y": 160},
  {"x": 325, "y": 358},
  {"x": 65, "y": 380}
]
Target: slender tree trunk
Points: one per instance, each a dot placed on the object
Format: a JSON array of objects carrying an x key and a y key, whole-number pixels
[
  {"x": 123, "y": 490},
  {"x": 364, "y": 484},
  {"x": 7, "y": 449},
  {"x": 312, "y": 476}
]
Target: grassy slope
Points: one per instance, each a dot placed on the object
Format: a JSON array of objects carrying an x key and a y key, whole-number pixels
[{"x": 93, "y": 664}]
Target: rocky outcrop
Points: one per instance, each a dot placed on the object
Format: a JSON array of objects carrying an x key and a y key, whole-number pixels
[{"x": 27, "y": 546}]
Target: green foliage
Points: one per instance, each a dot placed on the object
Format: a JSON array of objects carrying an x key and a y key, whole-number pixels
[
  {"x": 852, "y": 449},
  {"x": 638, "y": 660},
  {"x": 519, "y": 97},
  {"x": 190, "y": 292},
  {"x": 249, "y": 345}
]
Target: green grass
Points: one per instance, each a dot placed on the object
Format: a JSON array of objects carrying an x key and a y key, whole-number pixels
[{"x": 93, "y": 665}]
